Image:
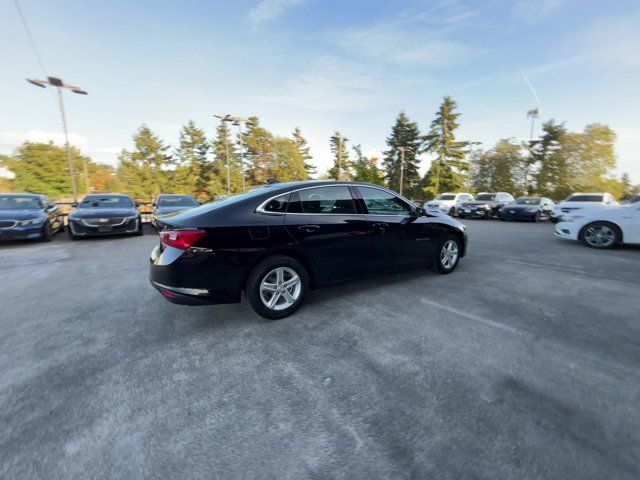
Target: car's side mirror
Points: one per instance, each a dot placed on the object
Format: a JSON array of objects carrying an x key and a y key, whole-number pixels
[
  {"x": 420, "y": 212},
  {"x": 137, "y": 204},
  {"x": 153, "y": 204},
  {"x": 74, "y": 204}
]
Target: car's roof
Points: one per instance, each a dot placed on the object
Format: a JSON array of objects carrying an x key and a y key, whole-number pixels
[
  {"x": 103, "y": 195},
  {"x": 589, "y": 193},
  {"x": 174, "y": 195}
]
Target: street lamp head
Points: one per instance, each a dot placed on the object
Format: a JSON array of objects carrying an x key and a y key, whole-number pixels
[
  {"x": 37, "y": 83},
  {"x": 55, "y": 81},
  {"x": 79, "y": 91}
]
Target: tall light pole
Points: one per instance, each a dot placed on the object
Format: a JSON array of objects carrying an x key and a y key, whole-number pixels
[
  {"x": 224, "y": 119},
  {"x": 238, "y": 121},
  {"x": 59, "y": 84},
  {"x": 341, "y": 140},
  {"x": 402, "y": 150}
]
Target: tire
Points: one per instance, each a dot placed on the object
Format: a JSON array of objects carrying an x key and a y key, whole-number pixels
[
  {"x": 272, "y": 271},
  {"x": 72, "y": 237},
  {"x": 47, "y": 233},
  {"x": 600, "y": 235},
  {"x": 441, "y": 264},
  {"x": 140, "y": 231},
  {"x": 537, "y": 218},
  {"x": 452, "y": 212}
]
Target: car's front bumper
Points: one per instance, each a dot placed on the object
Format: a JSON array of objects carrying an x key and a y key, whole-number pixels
[
  {"x": 566, "y": 230},
  {"x": 80, "y": 229},
  {"x": 474, "y": 213},
  {"x": 21, "y": 233}
]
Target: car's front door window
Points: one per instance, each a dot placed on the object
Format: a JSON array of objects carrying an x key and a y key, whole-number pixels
[{"x": 379, "y": 202}]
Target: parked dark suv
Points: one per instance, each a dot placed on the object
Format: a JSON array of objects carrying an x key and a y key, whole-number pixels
[
  {"x": 27, "y": 216},
  {"x": 277, "y": 242}
]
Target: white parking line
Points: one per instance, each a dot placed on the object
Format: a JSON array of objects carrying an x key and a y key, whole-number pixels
[{"x": 477, "y": 318}]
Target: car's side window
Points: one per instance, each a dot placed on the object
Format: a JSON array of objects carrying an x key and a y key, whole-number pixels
[
  {"x": 327, "y": 200},
  {"x": 379, "y": 202},
  {"x": 278, "y": 204}
]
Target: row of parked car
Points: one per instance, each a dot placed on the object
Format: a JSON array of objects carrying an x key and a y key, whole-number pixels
[
  {"x": 26, "y": 216},
  {"x": 596, "y": 219}
]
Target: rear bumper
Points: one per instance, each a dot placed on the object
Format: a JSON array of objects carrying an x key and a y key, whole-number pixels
[
  {"x": 525, "y": 216},
  {"x": 193, "y": 278}
]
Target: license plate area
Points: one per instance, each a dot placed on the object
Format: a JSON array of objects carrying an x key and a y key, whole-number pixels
[{"x": 105, "y": 228}]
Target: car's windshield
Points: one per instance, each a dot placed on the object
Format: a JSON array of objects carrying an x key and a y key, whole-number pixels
[
  {"x": 106, "y": 202},
  {"x": 446, "y": 196},
  {"x": 177, "y": 201},
  {"x": 15, "y": 202},
  {"x": 528, "y": 201},
  {"x": 585, "y": 198},
  {"x": 486, "y": 196}
]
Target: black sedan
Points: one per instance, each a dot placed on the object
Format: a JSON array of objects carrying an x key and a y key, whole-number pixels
[
  {"x": 105, "y": 214},
  {"x": 532, "y": 209},
  {"x": 170, "y": 203},
  {"x": 486, "y": 205},
  {"x": 29, "y": 216},
  {"x": 278, "y": 242}
]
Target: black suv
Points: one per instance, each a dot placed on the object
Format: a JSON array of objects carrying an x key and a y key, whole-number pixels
[{"x": 277, "y": 242}]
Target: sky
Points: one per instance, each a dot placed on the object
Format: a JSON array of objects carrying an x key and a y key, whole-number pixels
[{"x": 321, "y": 65}]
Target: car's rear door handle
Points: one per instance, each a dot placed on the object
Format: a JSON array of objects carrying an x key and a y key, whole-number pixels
[{"x": 309, "y": 228}]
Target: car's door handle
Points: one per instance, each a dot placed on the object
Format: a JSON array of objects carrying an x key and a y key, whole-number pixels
[
  {"x": 381, "y": 225},
  {"x": 309, "y": 228}
]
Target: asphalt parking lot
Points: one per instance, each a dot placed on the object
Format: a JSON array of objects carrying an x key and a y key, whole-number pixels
[{"x": 524, "y": 363}]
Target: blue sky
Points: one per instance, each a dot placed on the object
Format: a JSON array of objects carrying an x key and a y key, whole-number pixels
[{"x": 323, "y": 65}]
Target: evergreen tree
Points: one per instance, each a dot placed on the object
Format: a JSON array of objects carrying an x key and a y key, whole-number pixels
[
  {"x": 143, "y": 171},
  {"x": 304, "y": 151},
  {"x": 449, "y": 167},
  {"x": 260, "y": 155},
  {"x": 194, "y": 172},
  {"x": 341, "y": 169},
  {"x": 404, "y": 134},
  {"x": 547, "y": 158},
  {"x": 628, "y": 189},
  {"x": 365, "y": 169},
  {"x": 225, "y": 154}
]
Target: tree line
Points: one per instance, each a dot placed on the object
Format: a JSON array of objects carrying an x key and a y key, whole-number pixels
[{"x": 555, "y": 164}]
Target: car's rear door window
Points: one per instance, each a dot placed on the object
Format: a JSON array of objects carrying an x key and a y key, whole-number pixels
[
  {"x": 327, "y": 200},
  {"x": 379, "y": 202}
]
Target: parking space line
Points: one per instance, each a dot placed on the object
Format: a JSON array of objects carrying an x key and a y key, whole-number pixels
[{"x": 477, "y": 318}]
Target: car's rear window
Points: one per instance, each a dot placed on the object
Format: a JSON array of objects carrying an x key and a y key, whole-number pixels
[
  {"x": 585, "y": 198},
  {"x": 445, "y": 196},
  {"x": 177, "y": 201},
  {"x": 486, "y": 196}
]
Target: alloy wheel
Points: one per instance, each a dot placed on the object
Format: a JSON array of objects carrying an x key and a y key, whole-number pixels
[
  {"x": 449, "y": 254},
  {"x": 280, "y": 288},
  {"x": 600, "y": 236}
]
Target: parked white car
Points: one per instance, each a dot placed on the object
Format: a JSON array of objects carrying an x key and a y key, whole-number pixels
[
  {"x": 601, "y": 227},
  {"x": 447, "y": 203},
  {"x": 578, "y": 201}
]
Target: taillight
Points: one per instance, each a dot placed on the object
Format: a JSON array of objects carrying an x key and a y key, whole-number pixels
[{"x": 182, "y": 239}]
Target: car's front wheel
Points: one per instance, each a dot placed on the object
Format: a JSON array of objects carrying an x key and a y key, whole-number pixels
[
  {"x": 600, "y": 235},
  {"x": 277, "y": 286},
  {"x": 448, "y": 254},
  {"x": 47, "y": 232}
]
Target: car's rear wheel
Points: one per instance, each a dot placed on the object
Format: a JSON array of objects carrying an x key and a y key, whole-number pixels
[
  {"x": 448, "y": 254},
  {"x": 277, "y": 286},
  {"x": 600, "y": 235}
]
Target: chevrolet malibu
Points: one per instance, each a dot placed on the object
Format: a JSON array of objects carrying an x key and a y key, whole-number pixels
[
  {"x": 105, "y": 214},
  {"x": 279, "y": 242}
]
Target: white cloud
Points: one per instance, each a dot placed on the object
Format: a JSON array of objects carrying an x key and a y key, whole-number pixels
[
  {"x": 267, "y": 10},
  {"x": 535, "y": 11},
  {"x": 12, "y": 140},
  {"x": 330, "y": 84},
  {"x": 404, "y": 44}
]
